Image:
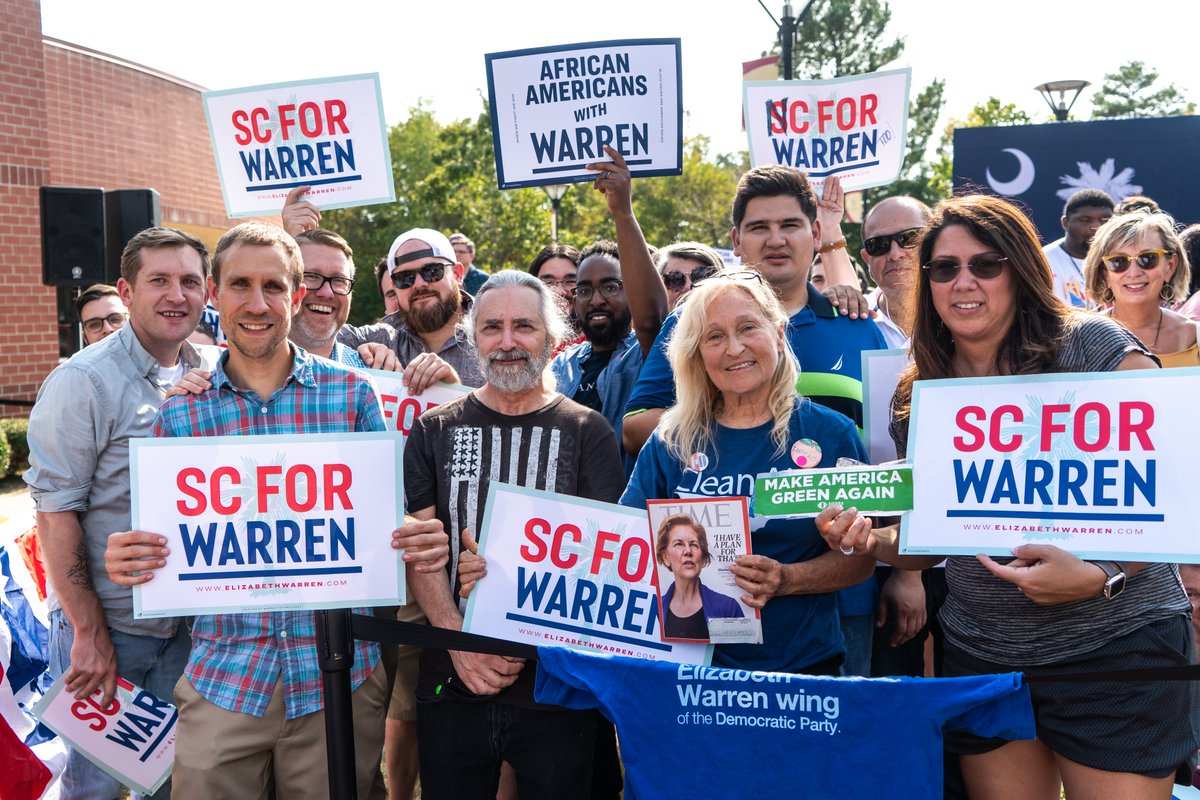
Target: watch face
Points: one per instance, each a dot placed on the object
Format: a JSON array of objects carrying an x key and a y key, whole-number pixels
[{"x": 1114, "y": 585}]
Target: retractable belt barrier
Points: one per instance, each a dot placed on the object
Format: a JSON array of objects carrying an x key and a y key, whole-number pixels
[{"x": 338, "y": 628}]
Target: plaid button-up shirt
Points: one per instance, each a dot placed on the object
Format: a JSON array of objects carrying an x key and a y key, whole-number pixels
[{"x": 236, "y": 659}]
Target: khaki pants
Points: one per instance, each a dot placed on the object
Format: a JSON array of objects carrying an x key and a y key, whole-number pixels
[{"x": 222, "y": 754}]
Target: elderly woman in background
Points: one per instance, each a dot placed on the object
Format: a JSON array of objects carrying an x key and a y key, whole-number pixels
[
  {"x": 737, "y": 414},
  {"x": 684, "y": 263},
  {"x": 985, "y": 306},
  {"x": 1136, "y": 264},
  {"x": 687, "y": 605}
]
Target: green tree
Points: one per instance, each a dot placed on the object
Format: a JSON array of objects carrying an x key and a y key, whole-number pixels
[
  {"x": 990, "y": 112},
  {"x": 1130, "y": 92}
]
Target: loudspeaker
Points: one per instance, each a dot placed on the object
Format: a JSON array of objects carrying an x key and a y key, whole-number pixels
[
  {"x": 127, "y": 213},
  {"x": 72, "y": 236}
]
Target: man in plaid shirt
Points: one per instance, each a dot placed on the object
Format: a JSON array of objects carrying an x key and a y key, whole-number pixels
[{"x": 250, "y": 704}]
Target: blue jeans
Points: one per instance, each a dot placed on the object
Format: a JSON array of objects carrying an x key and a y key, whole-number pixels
[
  {"x": 858, "y": 631},
  {"x": 464, "y": 741},
  {"x": 147, "y": 661}
]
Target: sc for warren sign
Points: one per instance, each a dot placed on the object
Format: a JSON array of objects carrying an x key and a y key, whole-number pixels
[{"x": 259, "y": 523}]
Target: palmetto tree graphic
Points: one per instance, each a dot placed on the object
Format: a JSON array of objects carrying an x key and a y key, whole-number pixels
[{"x": 1062, "y": 447}]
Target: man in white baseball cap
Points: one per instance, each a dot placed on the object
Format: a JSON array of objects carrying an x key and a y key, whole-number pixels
[{"x": 428, "y": 277}]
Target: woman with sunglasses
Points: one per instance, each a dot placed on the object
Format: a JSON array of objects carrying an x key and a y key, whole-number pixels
[
  {"x": 1136, "y": 265},
  {"x": 985, "y": 305},
  {"x": 683, "y": 264}
]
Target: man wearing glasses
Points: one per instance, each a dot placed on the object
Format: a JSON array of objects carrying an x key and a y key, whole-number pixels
[
  {"x": 424, "y": 331},
  {"x": 620, "y": 303},
  {"x": 891, "y": 232},
  {"x": 101, "y": 312},
  {"x": 329, "y": 280}
]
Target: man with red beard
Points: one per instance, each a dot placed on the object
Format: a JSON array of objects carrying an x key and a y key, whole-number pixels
[{"x": 427, "y": 277}]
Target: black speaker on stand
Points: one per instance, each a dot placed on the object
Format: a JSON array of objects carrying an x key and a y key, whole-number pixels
[
  {"x": 72, "y": 236},
  {"x": 127, "y": 213}
]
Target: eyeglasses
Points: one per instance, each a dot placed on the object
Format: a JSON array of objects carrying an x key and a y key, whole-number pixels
[
  {"x": 565, "y": 283},
  {"x": 984, "y": 266},
  {"x": 675, "y": 280},
  {"x": 606, "y": 289},
  {"x": 338, "y": 285},
  {"x": 430, "y": 273},
  {"x": 1147, "y": 259},
  {"x": 881, "y": 245},
  {"x": 96, "y": 324},
  {"x": 735, "y": 275}
]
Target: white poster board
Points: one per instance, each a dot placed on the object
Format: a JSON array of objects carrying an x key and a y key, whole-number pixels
[
  {"x": 854, "y": 127},
  {"x": 569, "y": 572},
  {"x": 258, "y": 523},
  {"x": 880, "y": 373},
  {"x": 400, "y": 408},
  {"x": 132, "y": 740},
  {"x": 327, "y": 133},
  {"x": 1098, "y": 464},
  {"x": 553, "y": 109}
]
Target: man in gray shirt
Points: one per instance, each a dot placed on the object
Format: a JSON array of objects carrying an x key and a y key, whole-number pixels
[
  {"x": 87, "y": 411},
  {"x": 428, "y": 281}
]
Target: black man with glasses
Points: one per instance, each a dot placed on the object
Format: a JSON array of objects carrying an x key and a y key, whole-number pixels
[
  {"x": 891, "y": 232},
  {"x": 620, "y": 303}
]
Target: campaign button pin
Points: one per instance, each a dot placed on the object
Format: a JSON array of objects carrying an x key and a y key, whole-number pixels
[
  {"x": 806, "y": 453},
  {"x": 698, "y": 462}
]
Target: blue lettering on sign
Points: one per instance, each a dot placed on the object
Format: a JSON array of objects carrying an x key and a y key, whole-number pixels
[
  {"x": 282, "y": 541},
  {"x": 612, "y": 605},
  {"x": 302, "y": 164}
]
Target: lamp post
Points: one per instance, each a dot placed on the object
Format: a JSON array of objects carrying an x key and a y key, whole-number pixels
[
  {"x": 1055, "y": 94},
  {"x": 555, "y": 192},
  {"x": 787, "y": 33}
]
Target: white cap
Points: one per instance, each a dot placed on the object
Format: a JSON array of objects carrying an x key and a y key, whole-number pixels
[{"x": 439, "y": 246}]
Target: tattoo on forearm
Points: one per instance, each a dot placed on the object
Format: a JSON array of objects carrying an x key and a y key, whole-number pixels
[{"x": 80, "y": 572}]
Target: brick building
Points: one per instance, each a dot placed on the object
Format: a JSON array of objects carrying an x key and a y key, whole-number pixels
[{"x": 70, "y": 116}]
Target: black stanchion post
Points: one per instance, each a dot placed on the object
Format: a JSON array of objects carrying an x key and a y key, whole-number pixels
[{"x": 335, "y": 655}]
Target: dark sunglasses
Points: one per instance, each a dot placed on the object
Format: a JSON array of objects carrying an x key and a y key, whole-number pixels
[
  {"x": 675, "y": 280},
  {"x": 880, "y": 245},
  {"x": 1147, "y": 259},
  {"x": 96, "y": 324},
  {"x": 430, "y": 273},
  {"x": 984, "y": 266}
]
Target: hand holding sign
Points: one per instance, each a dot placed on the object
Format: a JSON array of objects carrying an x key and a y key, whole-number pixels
[
  {"x": 425, "y": 370},
  {"x": 93, "y": 666},
  {"x": 1048, "y": 575},
  {"x": 131, "y": 556},
  {"x": 471, "y": 566},
  {"x": 299, "y": 215},
  {"x": 426, "y": 545},
  {"x": 847, "y": 531}
]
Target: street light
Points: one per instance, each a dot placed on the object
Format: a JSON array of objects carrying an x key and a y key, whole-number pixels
[
  {"x": 555, "y": 192},
  {"x": 1055, "y": 95}
]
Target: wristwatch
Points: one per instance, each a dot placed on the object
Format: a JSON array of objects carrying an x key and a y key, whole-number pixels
[{"x": 1115, "y": 572}]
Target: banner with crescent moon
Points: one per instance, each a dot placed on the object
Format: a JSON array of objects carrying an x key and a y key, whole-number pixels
[{"x": 1041, "y": 166}]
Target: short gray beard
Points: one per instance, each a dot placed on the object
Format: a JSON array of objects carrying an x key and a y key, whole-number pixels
[{"x": 510, "y": 380}]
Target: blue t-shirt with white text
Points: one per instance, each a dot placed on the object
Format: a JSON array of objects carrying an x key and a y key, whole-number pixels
[{"x": 695, "y": 732}]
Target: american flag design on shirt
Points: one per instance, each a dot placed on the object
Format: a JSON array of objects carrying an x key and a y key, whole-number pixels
[{"x": 525, "y": 455}]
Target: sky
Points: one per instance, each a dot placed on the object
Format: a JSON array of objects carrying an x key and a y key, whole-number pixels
[{"x": 434, "y": 51}]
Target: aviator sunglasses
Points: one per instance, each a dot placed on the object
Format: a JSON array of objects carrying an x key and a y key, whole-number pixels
[
  {"x": 880, "y": 245},
  {"x": 1147, "y": 259},
  {"x": 430, "y": 273},
  {"x": 984, "y": 266},
  {"x": 675, "y": 280}
]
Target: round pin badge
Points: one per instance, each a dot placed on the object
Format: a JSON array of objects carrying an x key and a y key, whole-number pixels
[
  {"x": 806, "y": 453},
  {"x": 698, "y": 462}
]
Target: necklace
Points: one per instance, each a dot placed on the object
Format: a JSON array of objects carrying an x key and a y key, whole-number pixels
[{"x": 1157, "y": 329}]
